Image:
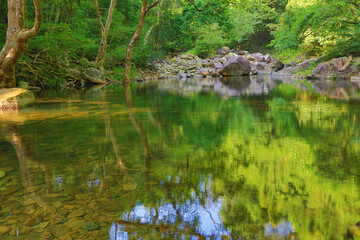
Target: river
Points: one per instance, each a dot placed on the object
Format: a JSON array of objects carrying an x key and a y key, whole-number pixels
[{"x": 238, "y": 158}]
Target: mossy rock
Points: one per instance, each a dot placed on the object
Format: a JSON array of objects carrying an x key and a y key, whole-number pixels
[{"x": 15, "y": 98}]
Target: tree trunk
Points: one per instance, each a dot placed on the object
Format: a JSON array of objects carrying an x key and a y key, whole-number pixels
[
  {"x": 134, "y": 39},
  {"x": 136, "y": 122},
  {"x": 100, "y": 59},
  {"x": 17, "y": 39}
]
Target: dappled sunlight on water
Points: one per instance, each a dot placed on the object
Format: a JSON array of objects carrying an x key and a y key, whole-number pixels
[{"x": 260, "y": 159}]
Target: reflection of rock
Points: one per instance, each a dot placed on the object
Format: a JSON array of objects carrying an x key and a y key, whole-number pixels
[
  {"x": 240, "y": 85},
  {"x": 340, "y": 90},
  {"x": 15, "y": 98}
]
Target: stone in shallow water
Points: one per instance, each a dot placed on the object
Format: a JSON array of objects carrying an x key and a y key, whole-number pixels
[
  {"x": 43, "y": 225},
  {"x": 15, "y": 98},
  {"x": 9, "y": 191},
  {"x": 47, "y": 235},
  {"x": 29, "y": 201},
  {"x": 58, "y": 204},
  {"x": 90, "y": 226},
  {"x": 57, "y": 220},
  {"x": 35, "y": 220},
  {"x": 2, "y": 174},
  {"x": 68, "y": 207},
  {"x": 77, "y": 213},
  {"x": 4, "y": 230}
]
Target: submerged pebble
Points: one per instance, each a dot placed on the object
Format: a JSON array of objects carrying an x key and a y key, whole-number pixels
[
  {"x": 2, "y": 174},
  {"x": 4, "y": 230}
]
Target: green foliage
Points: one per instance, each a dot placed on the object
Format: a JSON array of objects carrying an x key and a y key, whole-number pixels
[
  {"x": 60, "y": 39},
  {"x": 210, "y": 38},
  {"x": 319, "y": 27},
  {"x": 56, "y": 83},
  {"x": 289, "y": 55},
  {"x": 242, "y": 24}
]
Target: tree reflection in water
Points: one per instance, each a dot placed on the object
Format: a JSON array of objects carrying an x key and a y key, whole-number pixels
[{"x": 155, "y": 165}]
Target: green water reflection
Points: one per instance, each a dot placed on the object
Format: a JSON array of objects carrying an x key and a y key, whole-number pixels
[{"x": 148, "y": 163}]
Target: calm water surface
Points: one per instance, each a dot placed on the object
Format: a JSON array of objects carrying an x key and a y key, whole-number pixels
[{"x": 249, "y": 158}]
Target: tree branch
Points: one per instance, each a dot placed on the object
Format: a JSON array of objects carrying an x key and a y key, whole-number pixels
[
  {"x": 37, "y": 24},
  {"x": 99, "y": 16},
  {"x": 152, "y": 5}
]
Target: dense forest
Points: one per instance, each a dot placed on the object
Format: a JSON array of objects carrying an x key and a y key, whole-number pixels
[{"x": 108, "y": 35}]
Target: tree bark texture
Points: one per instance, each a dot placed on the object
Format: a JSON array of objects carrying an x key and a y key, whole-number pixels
[
  {"x": 130, "y": 48},
  {"x": 17, "y": 39},
  {"x": 100, "y": 59}
]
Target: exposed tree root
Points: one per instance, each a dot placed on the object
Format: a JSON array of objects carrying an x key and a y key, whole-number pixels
[{"x": 47, "y": 72}]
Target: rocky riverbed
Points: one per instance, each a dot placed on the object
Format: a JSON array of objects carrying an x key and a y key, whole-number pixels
[{"x": 239, "y": 63}]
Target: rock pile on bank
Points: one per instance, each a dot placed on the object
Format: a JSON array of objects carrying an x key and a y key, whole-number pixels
[
  {"x": 230, "y": 62},
  {"x": 226, "y": 63}
]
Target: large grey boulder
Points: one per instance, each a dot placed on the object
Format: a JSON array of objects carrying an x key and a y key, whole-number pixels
[
  {"x": 263, "y": 68},
  {"x": 94, "y": 75},
  {"x": 15, "y": 98},
  {"x": 236, "y": 66}
]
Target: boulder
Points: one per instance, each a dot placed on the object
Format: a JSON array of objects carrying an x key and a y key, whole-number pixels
[
  {"x": 267, "y": 58},
  {"x": 94, "y": 75},
  {"x": 188, "y": 56},
  {"x": 333, "y": 68},
  {"x": 223, "y": 51},
  {"x": 250, "y": 57},
  {"x": 218, "y": 65},
  {"x": 222, "y": 60},
  {"x": 288, "y": 71},
  {"x": 182, "y": 75},
  {"x": 24, "y": 85},
  {"x": 226, "y": 49},
  {"x": 263, "y": 68},
  {"x": 207, "y": 63},
  {"x": 15, "y": 98},
  {"x": 204, "y": 72},
  {"x": 276, "y": 64},
  {"x": 236, "y": 66},
  {"x": 253, "y": 69},
  {"x": 241, "y": 52},
  {"x": 230, "y": 55},
  {"x": 258, "y": 57}
]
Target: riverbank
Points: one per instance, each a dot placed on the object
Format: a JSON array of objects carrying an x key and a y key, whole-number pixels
[
  {"x": 238, "y": 63},
  {"x": 46, "y": 73}
]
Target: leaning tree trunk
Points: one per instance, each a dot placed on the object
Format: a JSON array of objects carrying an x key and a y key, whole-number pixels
[
  {"x": 17, "y": 39},
  {"x": 100, "y": 59},
  {"x": 134, "y": 39}
]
